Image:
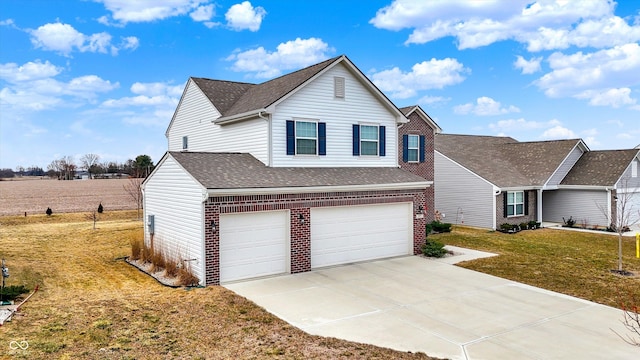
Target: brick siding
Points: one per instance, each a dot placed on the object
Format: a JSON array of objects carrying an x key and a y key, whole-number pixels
[
  {"x": 300, "y": 233},
  {"x": 516, "y": 220},
  {"x": 417, "y": 126}
]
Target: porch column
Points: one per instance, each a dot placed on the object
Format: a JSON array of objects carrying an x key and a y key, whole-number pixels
[{"x": 539, "y": 205}]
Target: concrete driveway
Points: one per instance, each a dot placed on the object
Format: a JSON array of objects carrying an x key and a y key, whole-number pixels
[{"x": 417, "y": 304}]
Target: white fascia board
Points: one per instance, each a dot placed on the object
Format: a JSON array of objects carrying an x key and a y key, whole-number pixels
[
  {"x": 239, "y": 117},
  {"x": 520, "y": 188},
  {"x": 319, "y": 189},
  {"x": 579, "y": 144},
  {"x": 436, "y": 128},
  {"x": 160, "y": 162},
  {"x": 585, "y": 187}
]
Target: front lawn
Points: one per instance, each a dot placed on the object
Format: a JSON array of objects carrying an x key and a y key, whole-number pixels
[
  {"x": 93, "y": 305},
  {"x": 570, "y": 262}
]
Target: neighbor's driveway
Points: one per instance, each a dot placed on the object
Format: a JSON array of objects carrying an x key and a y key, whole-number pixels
[{"x": 416, "y": 304}]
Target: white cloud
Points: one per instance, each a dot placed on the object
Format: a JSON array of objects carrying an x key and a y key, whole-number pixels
[
  {"x": 203, "y": 13},
  {"x": 153, "y": 104},
  {"x": 244, "y": 16},
  {"x": 540, "y": 24},
  {"x": 558, "y": 132},
  {"x": 588, "y": 75},
  {"x": 64, "y": 39},
  {"x": 527, "y": 66},
  {"x": 485, "y": 106},
  {"x": 609, "y": 97},
  {"x": 516, "y": 125},
  {"x": 126, "y": 11},
  {"x": 432, "y": 74},
  {"x": 433, "y": 100},
  {"x": 293, "y": 54},
  {"x": 156, "y": 88},
  {"x": 30, "y": 71},
  {"x": 33, "y": 87}
]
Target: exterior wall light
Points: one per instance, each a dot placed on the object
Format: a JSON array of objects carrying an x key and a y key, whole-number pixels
[
  {"x": 420, "y": 209},
  {"x": 213, "y": 226},
  {"x": 301, "y": 218}
]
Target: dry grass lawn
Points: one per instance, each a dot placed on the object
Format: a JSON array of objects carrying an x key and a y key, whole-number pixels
[
  {"x": 34, "y": 196},
  {"x": 570, "y": 262},
  {"x": 92, "y": 305}
]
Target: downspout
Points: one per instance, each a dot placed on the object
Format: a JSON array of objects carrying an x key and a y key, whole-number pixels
[{"x": 269, "y": 140}]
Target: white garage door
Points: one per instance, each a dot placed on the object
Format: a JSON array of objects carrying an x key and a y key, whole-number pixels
[
  {"x": 253, "y": 244},
  {"x": 341, "y": 235}
]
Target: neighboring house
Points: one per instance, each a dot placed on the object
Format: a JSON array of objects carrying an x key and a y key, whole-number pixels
[
  {"x": 415, "y": 149},
  {"x": 596, "y": 187},
  {"x": 485, "y": 181},
  {"x": 292, "y": 174}
]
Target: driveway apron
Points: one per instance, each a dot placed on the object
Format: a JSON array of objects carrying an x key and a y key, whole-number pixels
[{"x": 418, "y": 304}]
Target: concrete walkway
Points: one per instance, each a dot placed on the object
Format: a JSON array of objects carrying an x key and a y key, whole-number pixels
[{"x": 417, "y": 304}]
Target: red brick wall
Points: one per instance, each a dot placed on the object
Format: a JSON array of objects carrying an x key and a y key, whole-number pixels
[
  {"x": 417, "y": 126},
  {"x": 300, "y": 232},
  {"x": 516, "y": 220}
]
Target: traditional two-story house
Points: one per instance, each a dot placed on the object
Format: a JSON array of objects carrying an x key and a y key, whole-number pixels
[{"x": 299, "y": 172}]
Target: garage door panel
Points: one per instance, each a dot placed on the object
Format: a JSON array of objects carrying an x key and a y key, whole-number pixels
[
  {"x": 253, "y": 244},
  {"x": 342, "y": 235}
]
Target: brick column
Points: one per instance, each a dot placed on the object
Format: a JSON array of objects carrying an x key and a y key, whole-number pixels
[
  {"x": 212, "y": 245},
  {"x": 419, "y": 223},
  {"x": 300, "y": 240}
]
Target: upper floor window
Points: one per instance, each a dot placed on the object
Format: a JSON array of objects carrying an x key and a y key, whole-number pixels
[
  {"x": 306, "y": 137},
  {"x": 515, "y": 203},
  {"x": 368, "y": 140},
  {"x": 185, "y": 142},
  {"x": 413, "y": 147}
]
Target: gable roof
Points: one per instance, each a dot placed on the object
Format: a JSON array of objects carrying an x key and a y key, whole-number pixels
[
  {"x": 219, "y": 171},
  {"x": 600, "y": 168},
  {"x": 237, "y": 100},
  {"x": 408, "y": 110},
  {"x": 504, "y": 161}
]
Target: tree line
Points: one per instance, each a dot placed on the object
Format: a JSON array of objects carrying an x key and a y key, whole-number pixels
[{"x": 66, "y": 168}]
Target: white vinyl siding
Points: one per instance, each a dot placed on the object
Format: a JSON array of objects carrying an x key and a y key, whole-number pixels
[
  {"x": 627, "y": 180},
  {"x": 175, "y": 200},
  {"x": 193, "y": 119},
  {"x": 316, "y": 100},
  {"x": 565, "y": 166},
  {"x": 462, "y": 195},
  {"x": 581, "y": 205}
]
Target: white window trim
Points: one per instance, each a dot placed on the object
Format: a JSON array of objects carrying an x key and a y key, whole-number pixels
[
  {"x": 296, "y": 137},
  {"x": 185, "y": 143},
  {"x": 515, "y": 203},
  {"x": 377, "y": 141},
  {"x": 417, "y": 149}
]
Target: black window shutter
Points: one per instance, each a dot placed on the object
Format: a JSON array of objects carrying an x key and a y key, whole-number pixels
[
  {"x": 382, "y": 144},
  {"x": 405, "y": 148},
  {"x": 422, "y": 141},
  {"x": 526, "y": 203},
  {"x": 356, "y": 140},
  {"x": 322, "y": 138},
  {"x": 291, "y": 137},
  {"x": 505, "y": 204}
]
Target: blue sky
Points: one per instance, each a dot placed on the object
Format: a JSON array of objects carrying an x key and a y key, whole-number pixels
[{"x": 105, "y": 76}]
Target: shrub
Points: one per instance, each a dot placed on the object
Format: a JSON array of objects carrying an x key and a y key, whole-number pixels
[
  {"x": 158, "y": 260},
  {"x": 524, "y": 226},
  {"x": 49, "y": 211},
  {"x": 428, "y": 229},
  {"x": 12, "y": 292},
  {"x": 136, "y": 249},
  {"x": 171, "y": 268},
  {"x": 569, "y": 222},
  {"x": 440, "y": 227},
  {"x": 534, "y": 224},
  {"x": 433, "y": 248},
  {"x": 509, "y": 228},
  {"x": 186, "y": 277},
  {"x": 100, "y": 209}
]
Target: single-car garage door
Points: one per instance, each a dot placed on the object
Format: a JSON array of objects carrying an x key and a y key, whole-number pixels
[
  {"x": 341, "y": 235},
  {"x": 253, "y": 244}
]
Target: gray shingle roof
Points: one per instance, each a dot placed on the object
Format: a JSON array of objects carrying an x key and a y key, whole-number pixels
[
  {"x": 238, "y": 170},
  {"x": 600, "y": 168},
  {"x": 504, "y": 161},
  {"x": 233, "y": 98}
]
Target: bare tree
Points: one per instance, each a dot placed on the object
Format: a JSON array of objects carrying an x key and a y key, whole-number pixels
[
  {"x": 623, "y": 216},
  {"x": 631, "y": 321},
  {"x": 89, "y": 161},
  {"x": 134, "y": 189},
  {"x": 68, "y": 167},
  {"x": 92, "y": 217},
  {"x": 55, "y": 169}
]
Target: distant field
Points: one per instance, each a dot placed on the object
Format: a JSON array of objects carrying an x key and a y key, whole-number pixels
[{"x": 35, "y": 195}]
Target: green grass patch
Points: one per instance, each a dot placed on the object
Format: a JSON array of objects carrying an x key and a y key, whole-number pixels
[{"x": 570, "y": 262}]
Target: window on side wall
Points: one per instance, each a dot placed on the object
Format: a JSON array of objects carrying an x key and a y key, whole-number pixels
[
  {"x": 185, "y": 142},
  {"x": 368, "y": 140},
  {"x": 515, "y": 203}
]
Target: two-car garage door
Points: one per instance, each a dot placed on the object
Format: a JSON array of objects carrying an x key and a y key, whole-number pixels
[
  {"x": 258, "y": 243},
  {"x": 342, "y": 235}
]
